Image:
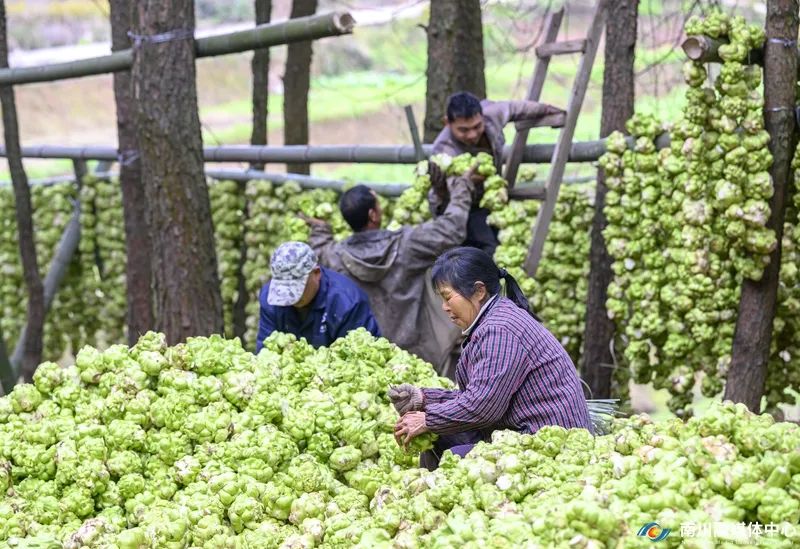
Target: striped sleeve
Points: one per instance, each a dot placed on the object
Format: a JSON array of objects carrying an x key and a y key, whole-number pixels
[
  {"x": 498, "y": 372},
  {"x": 435, "y": 396}
]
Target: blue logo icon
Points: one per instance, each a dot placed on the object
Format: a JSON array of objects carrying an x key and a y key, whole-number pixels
[{"x": 653, "y": 531}]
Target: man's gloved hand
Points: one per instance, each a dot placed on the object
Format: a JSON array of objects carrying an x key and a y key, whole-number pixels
[
  {"x": 474, "y": 182},
  {"x": 440, "y": 194},
  {"x": 407, "y": 398},
  {"x": 311, "y": 221}
]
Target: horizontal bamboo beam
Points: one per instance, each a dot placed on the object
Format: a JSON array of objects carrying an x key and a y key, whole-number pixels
[
  {"x": 262, "y": 36},
  {"x": 305, "y": 181},
  {"x": 316, "y": 154},
  {"x": 527, "y": 191},
  {"x": 583, "y": 151}
]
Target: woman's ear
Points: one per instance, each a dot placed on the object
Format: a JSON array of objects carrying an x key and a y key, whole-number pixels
[{"x": 480, "y": 291}]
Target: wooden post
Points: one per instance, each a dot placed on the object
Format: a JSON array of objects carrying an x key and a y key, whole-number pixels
[
  {"x": 296, "y": 87},
  {"x": 80, "y": 169},
  {"x": 455, "y": 59},
  {"x": 31, "y": 353},
  {"x": 138, "y": 245},
  {"x": 7, "y": 378},
  {"x": 260, "y": 92},
  {"x": 753, "y": 335},
  {"x": 412, "y": 128}
]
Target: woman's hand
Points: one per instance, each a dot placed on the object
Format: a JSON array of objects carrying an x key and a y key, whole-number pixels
[{"x": 410, "y": 426}]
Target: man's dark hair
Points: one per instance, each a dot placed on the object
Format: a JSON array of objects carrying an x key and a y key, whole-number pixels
[
  {"x": 463, "y": 105},
  {"x": 355, "y": 205}
]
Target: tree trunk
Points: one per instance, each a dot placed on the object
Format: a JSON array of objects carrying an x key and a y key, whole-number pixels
[
  {"x": 296, "y": 81},
  {"x": 32, "y": 352},
  {"x": 7, "y": 376},
  {"x": 178, "y": 211},
  {"x": 260, "y": 65},
  {"x": 753, "y": 335},
  {"x": 137, "y": 238},
  {"x": 260, "y": 68},
  {"x": 455, "y": 58},
  {"x": 618, "y": 96}
]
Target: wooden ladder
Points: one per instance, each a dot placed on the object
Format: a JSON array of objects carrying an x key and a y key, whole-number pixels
[{"x": 547, "y": 49}]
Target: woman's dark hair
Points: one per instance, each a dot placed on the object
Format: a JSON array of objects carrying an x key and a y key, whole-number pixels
[
  {"x": 463, "y": 105},
  {"x": 462, "y": 267},
  {"x": 355, "y": 205}
]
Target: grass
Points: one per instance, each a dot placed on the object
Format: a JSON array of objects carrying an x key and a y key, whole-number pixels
[
  {"x": 359, "y": 94},
  {"x": 330, "y": 98},
  {"x": 377, "y": 173},
  {"x": 397, "y": 53},
  {"x": 63, "y": 9},
  {"x": 362, "y": 93}
]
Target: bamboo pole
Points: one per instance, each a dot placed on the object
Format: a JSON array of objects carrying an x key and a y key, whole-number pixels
[
  {"x": 529, "y": 189},
  {"x": 412, "y": 129},
  {"x": 305, "y": 181},
  {"x": 582, "y": 151},
  {"x": 262, "y": 36}
]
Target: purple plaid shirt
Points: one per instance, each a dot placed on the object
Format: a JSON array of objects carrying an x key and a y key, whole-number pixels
[{"x": 512, "y": 374}]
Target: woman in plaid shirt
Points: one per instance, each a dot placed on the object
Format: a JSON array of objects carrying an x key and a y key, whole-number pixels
[{"x": 512, "y": 374}]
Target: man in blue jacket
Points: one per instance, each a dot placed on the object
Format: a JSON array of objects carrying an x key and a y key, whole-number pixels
[{"x": 310, "y": 301}]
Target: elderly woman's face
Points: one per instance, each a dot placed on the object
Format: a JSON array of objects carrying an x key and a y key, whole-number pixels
[{"x": 461, "y": 310}]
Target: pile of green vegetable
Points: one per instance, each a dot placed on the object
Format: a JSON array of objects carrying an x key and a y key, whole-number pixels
[
  {"x": 411, "y": 207},
  {"x": 205, "y": 445},
  {"x": 563, "y": 488}
]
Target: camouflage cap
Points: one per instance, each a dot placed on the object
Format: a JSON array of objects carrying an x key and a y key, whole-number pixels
[{"x": 291, "y": 264}]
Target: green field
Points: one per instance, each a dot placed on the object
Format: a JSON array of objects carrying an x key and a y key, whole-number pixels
[{"x": 396, "y": 55}]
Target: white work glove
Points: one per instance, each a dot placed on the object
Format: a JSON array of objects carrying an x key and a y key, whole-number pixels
[{"x": 406, "y": 398}]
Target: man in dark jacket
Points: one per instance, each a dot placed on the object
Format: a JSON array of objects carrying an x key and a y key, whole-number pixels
[
  {"x": 310, "y": 301},
  {"x": 473, "y": 126},
  {"x": 392, "y": 267}
]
